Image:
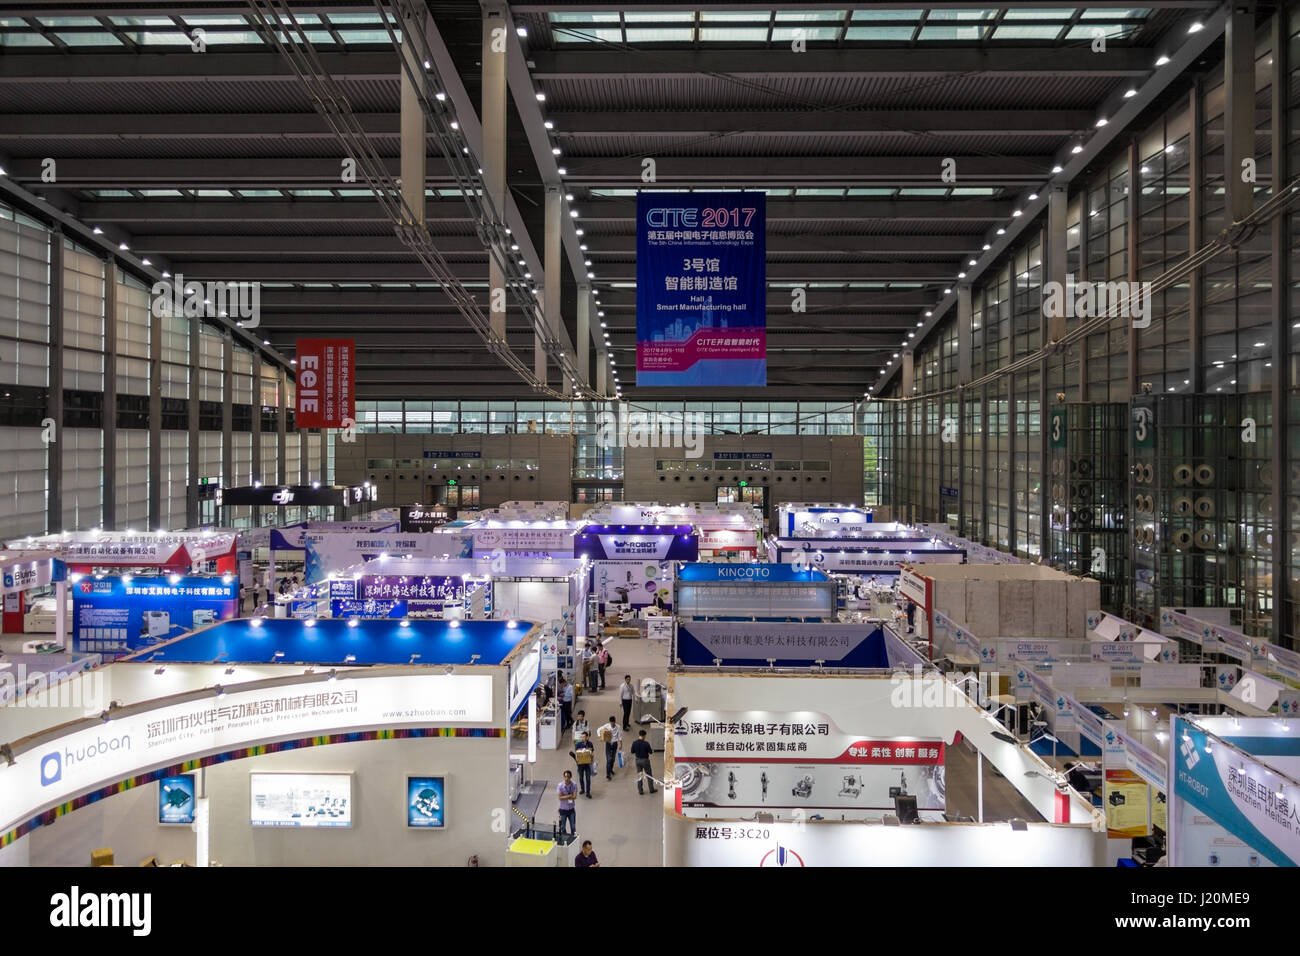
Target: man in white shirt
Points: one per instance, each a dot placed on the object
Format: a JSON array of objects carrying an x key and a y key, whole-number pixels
[
  {"x": 625, "y": 694},
  {"x": 613, "y": 737}
]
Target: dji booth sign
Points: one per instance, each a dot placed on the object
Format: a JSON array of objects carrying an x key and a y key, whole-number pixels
[{"x": 326, "y": 383}]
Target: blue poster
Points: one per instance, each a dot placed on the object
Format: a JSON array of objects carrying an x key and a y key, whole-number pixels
[
  {"x": 425, "y": 802},
  {"x": 176, "y": 800},
  {"x": 116, "y": 616},
  {"x": 701, "y": 288}
]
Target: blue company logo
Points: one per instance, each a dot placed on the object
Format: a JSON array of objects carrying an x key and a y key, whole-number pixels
[
  {"x": 51, "y": 768},
  {"x": 1110, "y": 736},
  {"x": 54, "y": 762},
  {"x": 1060, "y": 703},
  {"x": 9, "y": 580}
]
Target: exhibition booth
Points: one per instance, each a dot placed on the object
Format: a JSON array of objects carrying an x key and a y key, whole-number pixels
[
  {"x": 730, "y": 531},
  {"x": 1000, "y": 600},
  {"x": 34, "y": 586},
  {"x": 797, "y": 519},
  {"x": 279, "y": 743},
  {"x": 862, "y": 553},
  {"x": 793, "y": 781},
  {"x": 1235, "y": 785}
]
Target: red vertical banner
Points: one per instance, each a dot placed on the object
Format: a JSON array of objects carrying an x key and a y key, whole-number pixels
[{"x": 326, "y": 382}]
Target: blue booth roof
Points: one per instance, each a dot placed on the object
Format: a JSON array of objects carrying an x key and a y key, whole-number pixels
[{"x": 382, "y": 641}]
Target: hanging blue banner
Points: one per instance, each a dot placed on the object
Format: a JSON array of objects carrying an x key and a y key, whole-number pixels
[{"x": 701, "y": 288}]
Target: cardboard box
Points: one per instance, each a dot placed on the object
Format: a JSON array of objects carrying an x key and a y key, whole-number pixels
[{"x": 101, "y": 857}]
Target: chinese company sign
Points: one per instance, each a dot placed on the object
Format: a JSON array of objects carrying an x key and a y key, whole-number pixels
[
  {"x": 701, "y": 288},
  {"x": 326, "y": 382},
  {"x": 91, "y": 756}
]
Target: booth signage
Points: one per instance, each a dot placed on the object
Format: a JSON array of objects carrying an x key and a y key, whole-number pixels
[
  {"x": 784, "y": 760},
  {"x": 701, "y": 289},
  {"x": 700, "y": 643},
  {"x": 529, "y": 540},
  {"x": 666, "y": 546},
  {"x": 525, "y": 672},
  {"x": 327, "y": 551},
  {"x": 1235, "y": 791},
  {"x": 326, "y": 383},
  {"x": 21, "y": 576},
  {"x": 727, "y": 540},
  {"x": 742, "y": 456},
  {"x": 94, "y": 754},
  {"x": 747, "y": 573},
  {"x": 659, "y": 628},
  {"x": 635, "y": 583},
  {"x": 424, "y": 518},
  {"x": 114, "y": 617},
  {"x": 914, "y": 587},
  {"x": 444, "y": 453},
  {"x": 176, "y": 799}
]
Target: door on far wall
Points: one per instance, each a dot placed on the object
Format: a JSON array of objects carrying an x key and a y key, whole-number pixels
[
  {"x": 454, "y": 496},
  {"x": 752, "y": 494}
]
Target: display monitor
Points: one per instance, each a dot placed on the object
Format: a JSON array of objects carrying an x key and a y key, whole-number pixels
[
  {"x": 320, "y": 800},
  {"x": 176, "y": 799}
]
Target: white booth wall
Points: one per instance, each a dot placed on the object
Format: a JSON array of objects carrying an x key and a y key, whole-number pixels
[
  {"x": 874, "y": 844},
  {"x": 474, "y": 771}
]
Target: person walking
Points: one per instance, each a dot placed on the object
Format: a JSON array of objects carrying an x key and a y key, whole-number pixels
[
  {"x": 580, "y": 725},
  {"x": 566, "y": 790},
  {"x": 613, "y": 738},
  {"x": 603, "y": 659},
  {"x": 584, "y": 754},
  {"x": 587, "y": 857},
  {"x": 587, "y": 668},
  {"x": 625, "y": 694},
  {"x": 642, "y": 750},
  {"x": 566, "y": 705}
]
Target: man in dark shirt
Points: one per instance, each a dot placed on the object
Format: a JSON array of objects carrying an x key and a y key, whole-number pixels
[
  {"x": 587, "y": 857},
  {"x": 642, "y": 750}
]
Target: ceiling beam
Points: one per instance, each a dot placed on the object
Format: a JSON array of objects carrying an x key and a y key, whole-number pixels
[
  {"x": 702, "y": 172},
  {"x": 595, "y": 64},
  {"x": 188, "y": 126},
  {"x": 247, "y": 246},
  {"x": 276, "y": 300},
  {"x": 831, "y": 122},
  {"x": 588, "y": 171},
  {"x": 315, "y": 271},
  {"x": 185, "y": 67}
]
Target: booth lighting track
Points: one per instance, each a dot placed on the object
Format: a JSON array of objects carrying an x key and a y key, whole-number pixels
[{"x": 282, "y": 29}]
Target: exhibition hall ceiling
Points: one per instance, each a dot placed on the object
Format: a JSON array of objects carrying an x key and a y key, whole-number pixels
[{"x": 892, "y": 142}]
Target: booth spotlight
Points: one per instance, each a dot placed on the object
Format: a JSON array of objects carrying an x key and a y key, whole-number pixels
[
  {"x": 675, "y": 718},
  {"x": 277, "y": 656},
  {"x": 1020, "y": 826},
  {"x": 7, "y": 753},
  {"x": 473, "y": 658},
  {"x": 309, "y": 622},
  {"x": 230, "y": 670},
  {"x": 257, "y": 621},
  {"x": 350, "y": 659},
  {"x": 1005, "y": 738},
  {"x": 771, "y": 663},
  {"x": 453, "y": 623},
  {"x": 512, "y": 623},
  {"x": 449, "y": 669},
  {"x": 105, "y": 716},
  {"x": 414, "y": 658},
  {"x": 406, "y": 622},
  {"x": 227, "y": 578},
  {"x": 221, "y": 691},
  {"x": 353, "y": 622},
  {"x": 173, "y": 578},
  {"x": 333, "y": 674},
  {"x": 160, "y": 669}
]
